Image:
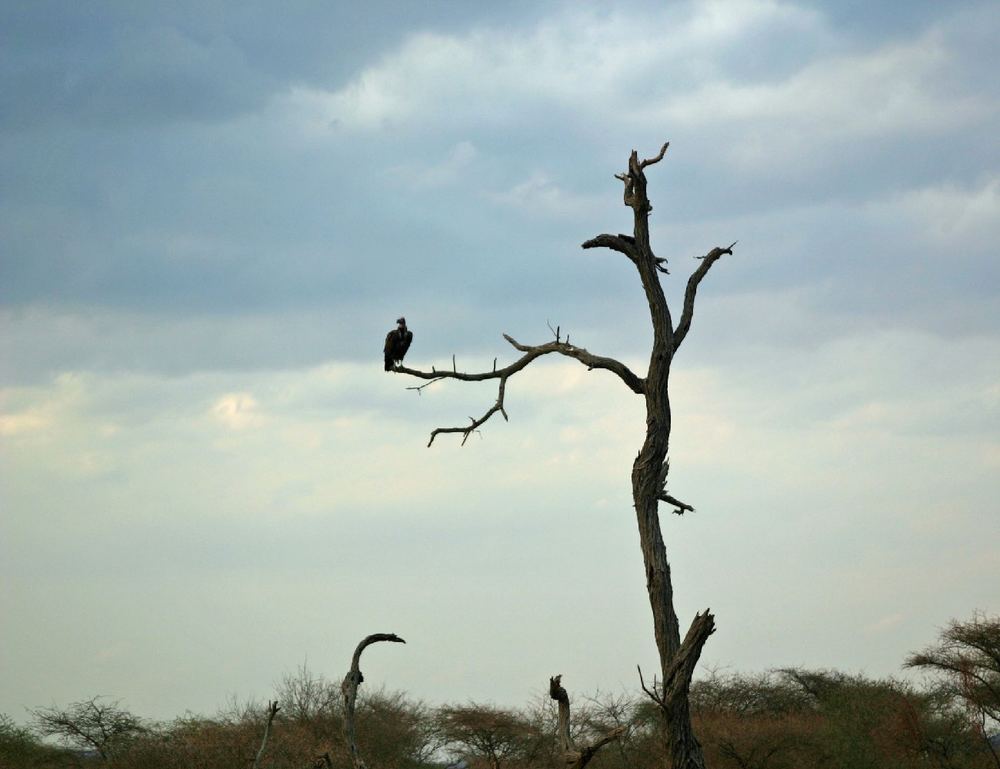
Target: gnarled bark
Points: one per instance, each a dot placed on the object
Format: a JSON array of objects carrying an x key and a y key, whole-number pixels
[{"x": 649, "y": 475}]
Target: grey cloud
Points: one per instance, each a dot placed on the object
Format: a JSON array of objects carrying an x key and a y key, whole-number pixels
[
  {"x": 871, "y": 21},
  {"x": 241, "y": 217},
  {"x": 117, "y": 65},
  {"x": 150, "y": 76},
  {"x": 812, "y": 275}
]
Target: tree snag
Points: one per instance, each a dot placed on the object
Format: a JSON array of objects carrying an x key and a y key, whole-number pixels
[
  {"x": 272, "y": 711},
  {"x": 651, "y": 466},
  {"x": 576, "y": 757},
  {"x": 349, "y": 690}
]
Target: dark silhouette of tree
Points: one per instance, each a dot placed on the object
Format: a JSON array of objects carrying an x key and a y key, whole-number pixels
[
  {"x": 93, "y": 724},
  {"x": 677, "y": 656},
  {"x": 967, "y": 657}
]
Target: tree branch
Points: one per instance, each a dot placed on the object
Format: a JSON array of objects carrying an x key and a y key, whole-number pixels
[
  {"x": 576, "y": 758},
  {"x": 652, "y": 693},
  {"x": 349, "y": 690},
  {"x": 657, "y": 159},
  {"x": 678, "y": 675},
  {"x": 681, "y": 507},
  {"x": 962, "y": 669},
  {"x": 588, "y": 359},
  {"x": 629, "y": 191},
  {"x": 531, "y": 352},
  {"x": 624, "y": 244},
  {"x": 475, "y": 424},
  {"x": 692, "y": 289}
]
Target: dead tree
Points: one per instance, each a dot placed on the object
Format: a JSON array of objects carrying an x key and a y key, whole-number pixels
[
  {"x": 272, "y": 711},
  {"x": 649, "y": 471},
  {"x": 574, "y": 756},
  {"x": 349, "y": 691}
]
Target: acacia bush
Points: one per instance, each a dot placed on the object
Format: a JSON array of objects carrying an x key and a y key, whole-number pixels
[
  {"x": 790, "y": 719},
  {"x": 489, "y": 737},
  {"x": 807, "y": 718}
]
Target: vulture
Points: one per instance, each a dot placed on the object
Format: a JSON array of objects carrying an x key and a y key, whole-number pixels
[{"x": 397, "y": 342}]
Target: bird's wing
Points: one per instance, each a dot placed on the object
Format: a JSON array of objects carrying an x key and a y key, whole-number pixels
[
  {"x": 405, "y": 344},
  {"x": 390, "y": 340}
]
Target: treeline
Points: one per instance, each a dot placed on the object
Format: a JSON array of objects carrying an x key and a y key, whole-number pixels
[
  {"x": 794, "y": 718},
  {"x": 784, "y": 719}
]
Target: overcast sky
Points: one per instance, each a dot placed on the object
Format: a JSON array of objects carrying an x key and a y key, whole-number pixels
[{"x": 211, "y": 214}]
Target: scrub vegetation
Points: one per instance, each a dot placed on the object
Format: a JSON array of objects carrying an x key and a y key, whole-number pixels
[{"x": 783, "y": 719}]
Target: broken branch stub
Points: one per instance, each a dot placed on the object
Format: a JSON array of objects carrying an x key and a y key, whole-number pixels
[{"x": 574, "y": 757}]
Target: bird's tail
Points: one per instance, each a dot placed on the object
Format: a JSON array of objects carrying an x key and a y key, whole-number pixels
[{"x": 388, "y": 363}]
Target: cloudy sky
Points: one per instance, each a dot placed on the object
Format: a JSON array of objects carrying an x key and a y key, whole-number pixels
[{"x": 211, "y": 215}]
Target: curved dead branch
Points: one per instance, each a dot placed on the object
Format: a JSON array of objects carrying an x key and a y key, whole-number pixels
[
  {"x": 576, "y": 758},
  {"x": 657, "y": 159},
  {"x": 349, "y": 691},
  {"x": 531, "y": 352},
  {"x": 588, "y": 359},
  {"x": 624, "y": 244},
  {"x": 692, "y": 289}
]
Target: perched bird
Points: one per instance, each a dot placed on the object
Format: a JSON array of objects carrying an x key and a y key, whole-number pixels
[{"x": 397, "y": 342}]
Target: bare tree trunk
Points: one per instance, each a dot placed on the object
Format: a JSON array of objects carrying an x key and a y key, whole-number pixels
[
  {"x": 349, "y": 691},
  {"x": 272, "y": 711},
  {"x": 649, "y": 476},
  {"x": 576, "y": 758}
]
